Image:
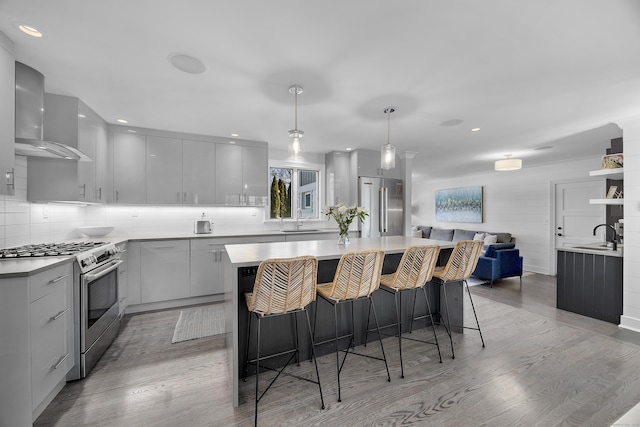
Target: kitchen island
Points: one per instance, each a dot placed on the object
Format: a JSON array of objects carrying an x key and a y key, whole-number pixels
[{"x": 241, "y": 264}]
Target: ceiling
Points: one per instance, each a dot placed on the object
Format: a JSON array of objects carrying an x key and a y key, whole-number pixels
[{"x": 528, "y": 74}]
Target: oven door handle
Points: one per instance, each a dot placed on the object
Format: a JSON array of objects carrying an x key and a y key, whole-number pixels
[{"x": 102, "y": 271}]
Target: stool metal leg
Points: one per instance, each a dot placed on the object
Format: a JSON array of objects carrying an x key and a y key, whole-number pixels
[
  {"x": 338, "y": 368},
  {"x": 295, "y": 331},
  {"x": 313, "y": 356},
  {"x": 366, "y": 331},
  {"x": 474, "y": 312},
  {"x": 398, "y": 296},
  {"x": 375, "y": 317},
  {"x": 413, "y": 310},
  {"x": 257, "y": 373},
  {"x": 246, "y": 354},
  {"x": 433, "y": 326},
  {"x": 448, "y": 325}
]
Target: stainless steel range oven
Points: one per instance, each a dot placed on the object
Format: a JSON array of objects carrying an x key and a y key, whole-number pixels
[{"x": 96, "y": 316}]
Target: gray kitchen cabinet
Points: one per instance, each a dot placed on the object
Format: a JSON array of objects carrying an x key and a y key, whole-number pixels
[
  {"x": 229, "y": 174},
  {"x": 241, "y": 175},
  {"x": 164, "y": 170},
  {"x": 70, "y": 121},
  {"x": 129, "y": 168},
  {"x": 36, "y": 313},
  {"x": 198, "y": 172},
  {"x": 590, "y": 285},
  {"x": 7, "y": 113},
  {"x": 100, "y": 164},
  {"x": 367, "y": 163},
  {"x": 134, "y": 273},
  {"x": 207, "y": 265},
  {"x": 164, "y": 270},
  {"x": 123, "y": 278}
]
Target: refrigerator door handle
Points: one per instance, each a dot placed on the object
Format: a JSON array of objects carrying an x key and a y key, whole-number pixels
[
  {"x": 386, "y": 209},
  {"x": 381, "y": 209}
]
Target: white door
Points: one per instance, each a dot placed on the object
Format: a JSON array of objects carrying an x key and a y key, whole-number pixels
[{"x": 575, "y": 217}]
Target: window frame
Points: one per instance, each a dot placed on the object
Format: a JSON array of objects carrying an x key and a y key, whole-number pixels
[{"x": 295, "y": 202}]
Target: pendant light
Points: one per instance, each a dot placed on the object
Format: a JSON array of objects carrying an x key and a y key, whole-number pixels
[
  {"x": 388, "y": 151},
  {"x": 295, "y": 135},
  {"x": 508, "y": 164}
]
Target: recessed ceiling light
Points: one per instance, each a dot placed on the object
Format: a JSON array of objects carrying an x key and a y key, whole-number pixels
[
  {"x": 82, "y": 116},
  {"x": 121, "y": 121},
  {"x": 475, "y": 129},
  {"x": 187, "y": 63},
  {"x": 232, "y": 142},
  {"x": 349, "y": 148},
  {"x": 32, "y": 31},
  {"x": 131, "y": 130},
  {"x": 234, "y": 134},
  {"x": 544, "y": 147}
]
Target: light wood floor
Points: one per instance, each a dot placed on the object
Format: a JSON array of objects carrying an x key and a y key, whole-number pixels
[{"x": 540, "y": 367}]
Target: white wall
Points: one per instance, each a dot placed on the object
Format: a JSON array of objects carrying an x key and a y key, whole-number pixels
[
  {"x": 631, "y": 268},
  {"x": 517, "y": 202}
]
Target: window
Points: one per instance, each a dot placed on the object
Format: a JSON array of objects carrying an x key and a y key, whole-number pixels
[{"x": 294, "y": 193}]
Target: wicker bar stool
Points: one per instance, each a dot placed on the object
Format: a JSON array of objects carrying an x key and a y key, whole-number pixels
[
  {"x": 414, "y": 272},
  {"x": 461, "y": 264},
  {"x": 357, "y": 276},
  {"x": 283, "y": 286}
]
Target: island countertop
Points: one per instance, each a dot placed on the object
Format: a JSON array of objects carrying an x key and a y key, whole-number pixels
[{"x": 253, "y": 253}]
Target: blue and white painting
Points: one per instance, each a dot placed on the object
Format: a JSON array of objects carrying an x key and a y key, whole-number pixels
[{"x": 459, "y": 205}]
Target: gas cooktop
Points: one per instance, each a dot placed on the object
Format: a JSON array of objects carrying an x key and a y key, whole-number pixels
[{"x": 48, "y": 249}]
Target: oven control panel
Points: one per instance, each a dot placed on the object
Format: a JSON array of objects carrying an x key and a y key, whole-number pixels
[{"x": 95, "y": 257}]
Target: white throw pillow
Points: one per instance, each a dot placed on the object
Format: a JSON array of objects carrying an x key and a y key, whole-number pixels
[
  {"x": 490, "y": 239},
  {"x": 479, "y": 236}
]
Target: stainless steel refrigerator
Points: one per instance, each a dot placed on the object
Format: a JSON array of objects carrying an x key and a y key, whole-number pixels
[{"x": 382, "y": 198}]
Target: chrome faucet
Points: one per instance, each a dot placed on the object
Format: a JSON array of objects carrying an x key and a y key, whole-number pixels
[
  {"x": 299, "y": 219},
  {"x": 615, "y": 235}
]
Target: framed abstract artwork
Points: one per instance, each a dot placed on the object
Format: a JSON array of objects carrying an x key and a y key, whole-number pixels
[{"x": 459, "y": 205}]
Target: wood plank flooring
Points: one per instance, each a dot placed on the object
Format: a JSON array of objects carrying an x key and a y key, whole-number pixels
[{"x": 541, "y": 367}]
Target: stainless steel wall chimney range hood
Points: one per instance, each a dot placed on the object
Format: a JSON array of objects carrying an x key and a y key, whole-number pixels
[{"x": 30, "y": 119}]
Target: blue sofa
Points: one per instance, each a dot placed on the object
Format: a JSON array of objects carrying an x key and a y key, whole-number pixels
[{"x": 498, "y": 262}]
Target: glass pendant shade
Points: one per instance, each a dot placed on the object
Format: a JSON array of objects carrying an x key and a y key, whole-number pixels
[
  {"x": 388, "y": 156},
  {"x": 508, "y": 164},
  {"x": 295, "y": 135},
  {"x": 295, "y": 143},
  {"x": 388, "y": 150}
]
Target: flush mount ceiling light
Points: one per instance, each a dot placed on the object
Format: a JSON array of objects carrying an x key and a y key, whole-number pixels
[
  {"x": 388, "y": 151},
  {"x": 187, "y": 63},
  {"x": 508, "y": 164},
  {"x": 295, "y": 135},
  {"x": 32, "y": 31},
  {"x": 123, "y": 121}
]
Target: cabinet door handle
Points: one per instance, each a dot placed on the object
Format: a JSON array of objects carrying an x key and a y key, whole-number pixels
[
  {"x": 164, "y": 247},
  {"x": 117, "y": 194},
  {"x": 560, "y": 234},
  {"x": 57, "y": 279},
  {"x": 84, "y": 191},
  {"x": 100, "y": 193},
  {"x": 57, "y": 365},
  {"x": 59, "y": 315}
]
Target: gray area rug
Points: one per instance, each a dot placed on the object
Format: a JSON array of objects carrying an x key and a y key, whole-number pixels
[{"x": 199, "y": 322}]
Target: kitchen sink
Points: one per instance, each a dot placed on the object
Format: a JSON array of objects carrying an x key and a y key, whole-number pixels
[
  {"x": 593, "y": 248},
  {"x": 304, "y": 230}
]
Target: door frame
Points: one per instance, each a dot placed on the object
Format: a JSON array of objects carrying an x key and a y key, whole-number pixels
[{"x": 552, "y": 217}]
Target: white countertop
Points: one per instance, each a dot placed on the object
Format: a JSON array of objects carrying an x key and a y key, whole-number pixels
[
  {"x": 253, "y": 253},
  {"x": 29, "y": 266},
  {"x": 595, "y": 249}
]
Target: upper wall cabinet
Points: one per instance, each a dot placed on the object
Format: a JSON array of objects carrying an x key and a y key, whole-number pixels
[
  {"x": 242, "y": 175},
  {"x": 198, "y": 172},
  {"x": 159, "y": 167},
  {"x": 129, "y": 168},
  {"x": 70, "y": 121},
  {"x": 367, "y": 163},
  {"x": 164, "y": 171},
  {"x": 7, "y": 113}
]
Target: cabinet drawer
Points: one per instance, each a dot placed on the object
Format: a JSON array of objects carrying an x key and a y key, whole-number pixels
[
  {"x": 165, "y": 246},
  {"x": 207, "y": 244},
  {"x": 43, "y": 283},
  {"x": 50, "y": 350}
]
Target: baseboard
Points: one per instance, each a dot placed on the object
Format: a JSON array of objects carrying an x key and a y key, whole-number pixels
[
  {"x": 162, "y": 305},
  {"x": 630, "y": 323},
  {"x": 536, "y": 269}
]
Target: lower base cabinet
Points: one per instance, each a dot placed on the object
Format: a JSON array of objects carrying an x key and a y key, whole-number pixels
[
  {"x": 165, "y": 270},
  {"x": 590, "y": 285},
  {"x": 36, "y": 319}
]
